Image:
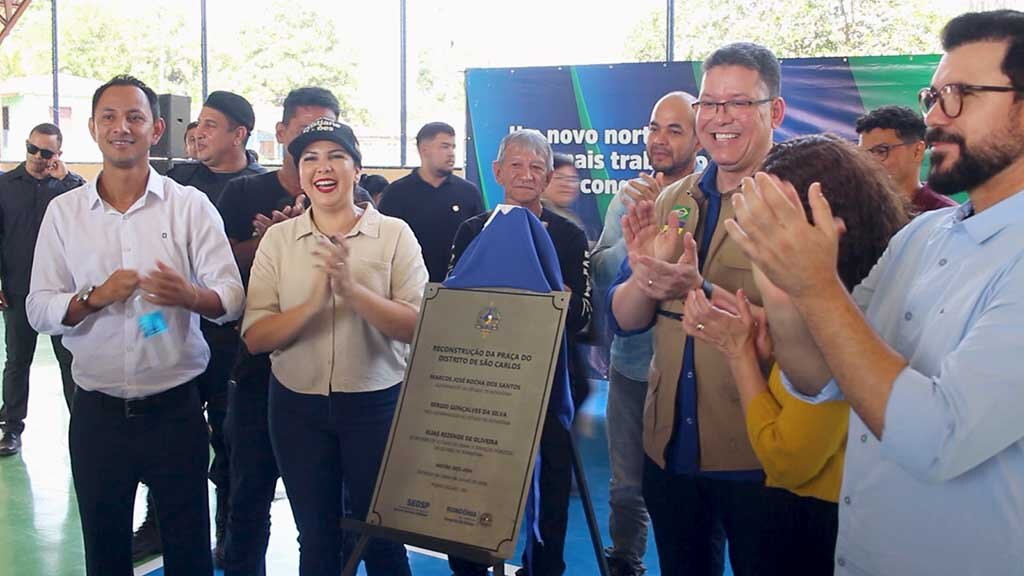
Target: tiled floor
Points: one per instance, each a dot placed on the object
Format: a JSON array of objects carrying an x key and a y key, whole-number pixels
[{"x": 40, "y": 532}]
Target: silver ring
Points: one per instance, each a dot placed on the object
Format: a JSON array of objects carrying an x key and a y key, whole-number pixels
[{"x": 700, "y": 327}]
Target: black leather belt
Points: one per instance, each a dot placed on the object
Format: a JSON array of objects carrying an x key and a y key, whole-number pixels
[{"x": 148, "y": 405}]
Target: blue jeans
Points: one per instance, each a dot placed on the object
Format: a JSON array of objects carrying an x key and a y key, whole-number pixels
[
  {"x": 627, "y": 521},
  {"x": 323, "y": 445}
]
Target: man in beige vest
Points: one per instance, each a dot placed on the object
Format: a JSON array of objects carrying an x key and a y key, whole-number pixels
[{"x": 701, "y": 475}]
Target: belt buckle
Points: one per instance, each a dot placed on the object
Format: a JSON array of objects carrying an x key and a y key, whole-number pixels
[{"x": 131, "y": 408}]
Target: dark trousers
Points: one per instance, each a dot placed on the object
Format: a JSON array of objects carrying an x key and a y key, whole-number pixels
[
  {"x": 166, "y": 445},
  {"x": 20, "y": 339},
  {"x": 213, "y": 391},
  {"x": 324, "y": 445},
  {"x": 254, "y": 470},
  {"x": 693, "y": 515},
  {"x": 807, "y": 533},
  {"x": 543, "y": 558}
]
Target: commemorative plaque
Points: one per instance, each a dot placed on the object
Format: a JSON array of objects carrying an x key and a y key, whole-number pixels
[{"x": 464, "y": 440}]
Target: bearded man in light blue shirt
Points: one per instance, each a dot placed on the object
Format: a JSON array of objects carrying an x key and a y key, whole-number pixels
[{"x": 927, "y": 349}]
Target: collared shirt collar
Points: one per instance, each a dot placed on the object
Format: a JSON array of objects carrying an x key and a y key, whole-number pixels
[
  {"x": 416, "y": 174},
  {"x": 21, "y": 172},
  {"x": 369, "y": 223},
  {"x": 154, "y": 185},
  {"x": 708, "y": 183},
  {"x": 982, "y": 226}
]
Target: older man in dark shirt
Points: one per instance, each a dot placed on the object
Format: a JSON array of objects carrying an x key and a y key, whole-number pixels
[{"x": 25, "y": 193}]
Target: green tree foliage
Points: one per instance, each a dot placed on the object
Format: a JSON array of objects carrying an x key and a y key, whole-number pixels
[
  {"x": 269, "y": 52},
  {"x": 262, "y": 54},
  {"x": 802, "y": 28}
]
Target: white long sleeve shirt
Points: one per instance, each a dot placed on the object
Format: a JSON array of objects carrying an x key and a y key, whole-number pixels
[{"x": 83, "y": 240}]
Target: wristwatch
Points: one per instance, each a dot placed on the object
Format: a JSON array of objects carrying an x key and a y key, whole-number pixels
[{"x": 83, "y": 295}]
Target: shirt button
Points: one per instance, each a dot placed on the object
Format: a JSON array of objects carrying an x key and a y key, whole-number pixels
[
  {"x": 689, "y": 374},
  {"x": 943, "y": 262},
  {"x": 908, "y": 316},
  {"x": 863, "y": 438},
  {"x": 455, "y": 208},
  {"x": 846, "y": 500},
  {"x": 689, "y": 421},
  {"x": 130, "y": 349},
  {"x": 841, "y": 561}
]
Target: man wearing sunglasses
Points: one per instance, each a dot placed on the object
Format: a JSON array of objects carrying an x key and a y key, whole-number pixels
[
  {"x": 894, "y": 135},
  {"x": 927, "y": 349},
  {"x": 25, "y": 193}
]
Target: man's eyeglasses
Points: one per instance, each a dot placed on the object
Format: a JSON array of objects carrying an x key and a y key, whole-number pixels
[
  {"x": 881, "y": 151},
  {"x": 572, "y": 180},
  {"x": 951, "y": 97},
  {"x": 32, "y": 149},
  {"x": 732, "y": 107}
]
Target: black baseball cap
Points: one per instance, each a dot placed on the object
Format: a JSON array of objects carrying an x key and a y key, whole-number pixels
[
  {"x": 326, "y": 129},
  {"x": 233, "y": 106}
]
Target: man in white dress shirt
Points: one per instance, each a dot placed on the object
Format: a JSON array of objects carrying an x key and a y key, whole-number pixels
[{"x": 125, "y": 267}]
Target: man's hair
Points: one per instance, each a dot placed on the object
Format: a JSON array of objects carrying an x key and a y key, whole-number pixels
[
  {"x": 49, "y": 130},
  {"x": 857, "y": 191},
  {"x": 994, "y": 26},
  {"x": 431, "y": 130},
  {"x": 529, "y": 139},
  {"x": 309, "y": 96},
  {"x": 752, "y": 56},
  {"x": 908, "y": 125},
  {"x": 191, "y": 126},
  {"x": 561, "y": 160},
  {"x": 128, "y": 80}
]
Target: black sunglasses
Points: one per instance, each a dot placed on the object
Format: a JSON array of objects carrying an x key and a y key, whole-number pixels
[{"x": 32, "y": 149}]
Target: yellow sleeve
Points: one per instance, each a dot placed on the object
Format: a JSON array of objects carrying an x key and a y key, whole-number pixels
[{"x": 794, "y": 440}]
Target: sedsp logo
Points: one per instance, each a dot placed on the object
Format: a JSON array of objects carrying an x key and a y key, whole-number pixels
[{"x": 419, "y": 504}]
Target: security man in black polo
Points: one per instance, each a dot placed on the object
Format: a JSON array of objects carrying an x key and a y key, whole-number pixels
[
  {"x": 25, "y": 192},
  {"x": 224, "y": 126},
  {"x": 432, "y": 200}
]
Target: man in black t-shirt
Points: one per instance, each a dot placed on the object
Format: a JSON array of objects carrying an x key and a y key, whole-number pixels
[
  {"x": 224, "y": 126},
  {"x": 523, "y": 169},
  {"x": 431, "y": 199}
]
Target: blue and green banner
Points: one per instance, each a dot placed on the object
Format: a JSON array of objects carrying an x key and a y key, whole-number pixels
[{"x": 598, "y": 113}]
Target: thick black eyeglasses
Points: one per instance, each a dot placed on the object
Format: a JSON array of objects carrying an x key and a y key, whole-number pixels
[
  {"x": 951, "y": 97},
  {"x": 32, "y": 149}
]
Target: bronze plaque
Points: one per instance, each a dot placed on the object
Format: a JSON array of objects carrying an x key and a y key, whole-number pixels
[{"x": 459, "y": 460}]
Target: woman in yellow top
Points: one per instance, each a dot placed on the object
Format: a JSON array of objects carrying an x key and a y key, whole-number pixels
[
  {"x": 333, "y": 295},
  {"x": 801, "y": 445}
]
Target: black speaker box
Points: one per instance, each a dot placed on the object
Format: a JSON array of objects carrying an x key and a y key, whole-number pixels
[{"x": 176, "y": 112}]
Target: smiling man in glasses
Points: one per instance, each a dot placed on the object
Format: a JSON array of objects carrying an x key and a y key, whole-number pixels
[
  {"x": 25, "y": 192},
  {"x": 894, "y": 135},
  {"x": 927, "y": 349},
  {"x": 700, "y": 472}
]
